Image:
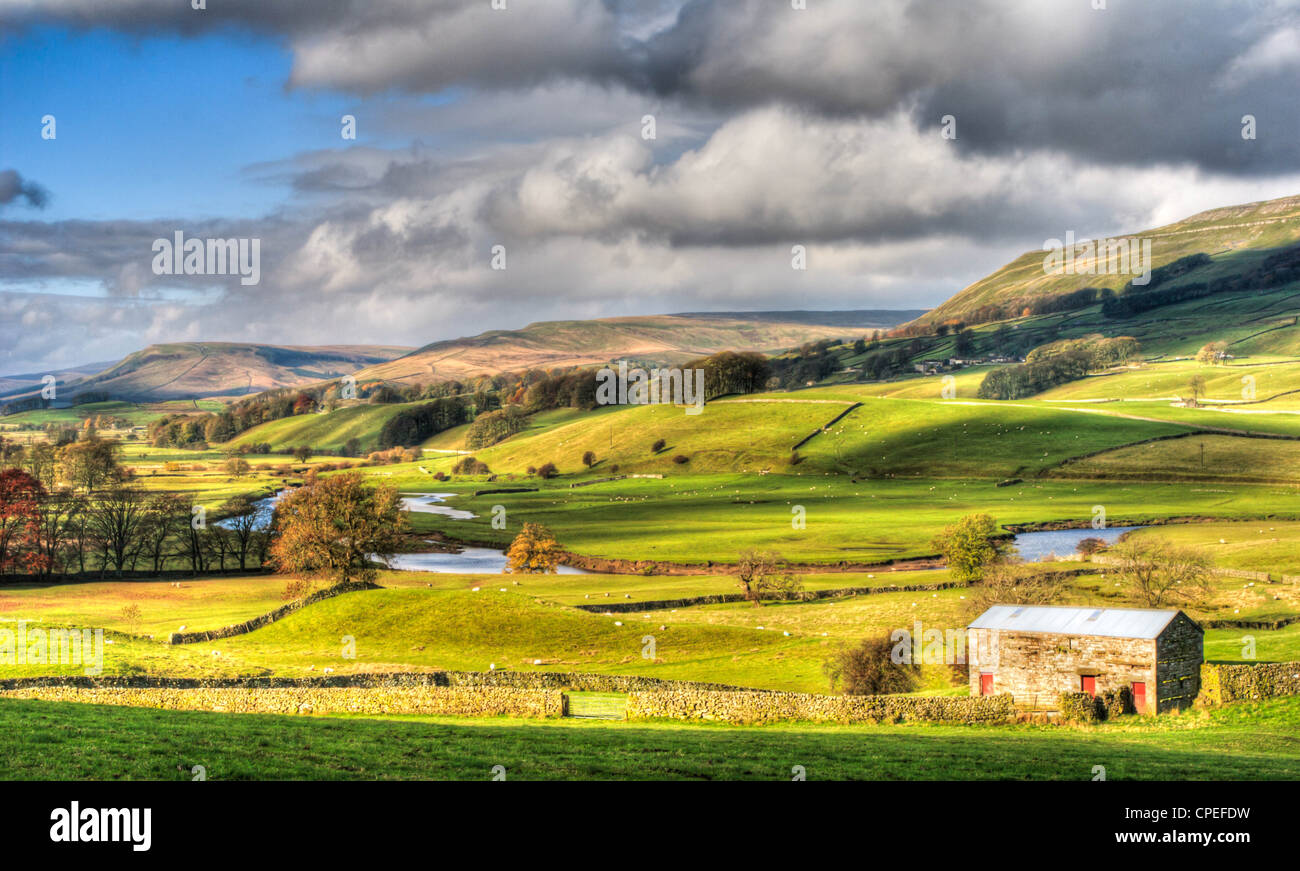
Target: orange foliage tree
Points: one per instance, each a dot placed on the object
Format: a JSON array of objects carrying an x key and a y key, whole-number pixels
[
  {"x": 534, "y": 551},
  {"x": 334, "y": 527}
]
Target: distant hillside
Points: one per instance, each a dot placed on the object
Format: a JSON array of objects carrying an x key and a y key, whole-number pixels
[
  {"x": 12, "y": 384},
  {"x": 651, "y": 339},
  {"x": 219, "y": 369},
  {"x": 856, "y": 318},
  {"x": 1252, "y": 227}
]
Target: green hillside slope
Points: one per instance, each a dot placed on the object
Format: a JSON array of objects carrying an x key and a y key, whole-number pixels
[{"x": 1252, "y": 227}]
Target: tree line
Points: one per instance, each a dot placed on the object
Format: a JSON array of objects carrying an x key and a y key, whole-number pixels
[{"x": 75, "y": 510}]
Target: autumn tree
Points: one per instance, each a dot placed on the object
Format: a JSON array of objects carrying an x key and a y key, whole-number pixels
[
  {"x": 1213, "y": 353},
  {"x": 303, "y": 453},
  {"x": 20, "y": 500},
  {"x": 969, "y": 545},
  {"x": 333, "y": 527},
  {"x": 589, "y": 458},
  {"x": 533, "y": 552},
  {"x": 764, "y": 574}
]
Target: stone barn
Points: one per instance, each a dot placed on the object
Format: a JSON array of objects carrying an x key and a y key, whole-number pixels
[{"x": 1037, "y": 652}]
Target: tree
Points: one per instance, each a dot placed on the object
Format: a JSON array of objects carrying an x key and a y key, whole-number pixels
[
  {"x": 117, "y": 519},
  {"x": 40, "y": 462},
  {"x": 166, "y": 517},
  {"x": 242, "y": 525},
  {"x": 969, "y": 546},
  {"x": 1161, "y": 572},
  {"x": 1089, "y": 546},
  {"x": 303, "y": 453},
  {"x": 55, "y": 531},
  {"x": 1022, "y": 583},
  {"x": 1196, "y": 384},
  {"x": 964, "y": 344},
  {"x": 534, "y": 551},
  {"x": 331, "y": 528},
  {"x": 90, "y": 464},
  {"x": 1212, "y": 354},
  {"x": 589, "y": 459},
  {"x": 237, "y": 467},
  {"x": 547, "y": 470},
  {"x": 657, "y": 446},
  {"x": 765, "y": 575},
  {"x": 869, "y": 669},
  {"x": 494, "y": 426},
  {"x": 20, "y": 499}
]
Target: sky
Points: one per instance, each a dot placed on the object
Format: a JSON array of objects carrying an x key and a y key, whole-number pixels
[{"x": 519, "y": 137}]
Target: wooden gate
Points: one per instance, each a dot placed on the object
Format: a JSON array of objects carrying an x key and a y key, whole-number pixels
[{"x": 596, "y": 706}]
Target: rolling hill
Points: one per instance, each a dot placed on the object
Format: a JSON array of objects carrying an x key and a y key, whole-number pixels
[
  {"x": 27, "y": 382},
  {"x": 193, "y": 370},
  {"x": 653, "y": 339},
  {"x": 1247, "y": 229}
]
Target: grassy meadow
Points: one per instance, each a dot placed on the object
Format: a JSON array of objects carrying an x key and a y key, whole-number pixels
[
  {"x": 62, "y": 741},
  {"x": 874, "y": 487}
]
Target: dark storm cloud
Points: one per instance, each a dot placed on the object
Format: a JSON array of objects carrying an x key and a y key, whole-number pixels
[
  {"x": 1139, "y": 83},
  {"x": 13, "y": 187}
]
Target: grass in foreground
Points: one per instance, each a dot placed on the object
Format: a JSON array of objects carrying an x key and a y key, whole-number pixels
[{"x": 64, "y": 741}]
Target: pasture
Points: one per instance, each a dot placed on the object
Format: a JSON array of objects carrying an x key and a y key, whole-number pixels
[{"x": 62, "y": 741}]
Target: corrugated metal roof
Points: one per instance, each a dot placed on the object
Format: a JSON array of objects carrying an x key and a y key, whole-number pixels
[{"x": 1061, "y": 620}]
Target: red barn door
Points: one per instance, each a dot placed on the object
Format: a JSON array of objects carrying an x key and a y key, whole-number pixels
[
  {"x": 1089, "y": 684},
  {"x": 1140, "y": 696},
  {"x": 986, "y": 684}
]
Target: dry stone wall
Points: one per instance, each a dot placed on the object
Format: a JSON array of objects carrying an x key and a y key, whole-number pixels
[
  {"x": 751, "y": 708},
  {"x": 266, "y": 619},
  {"x": 1245, "y": 682},
  {"x": 428, "y": 700}
]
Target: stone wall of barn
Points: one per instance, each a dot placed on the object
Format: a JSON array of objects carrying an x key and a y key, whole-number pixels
[
  {"x": 1035, "y": 668},
  {"x": 1180, "y": 650}
]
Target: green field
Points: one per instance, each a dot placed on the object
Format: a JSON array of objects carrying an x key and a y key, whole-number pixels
[
  {"x": 53, "y": 741},
  {"x": 326, "y": 432}
]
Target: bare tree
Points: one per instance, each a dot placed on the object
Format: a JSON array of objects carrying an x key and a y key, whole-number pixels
[
  {"x": 242, "y": 525},
  {"x": 1161, "y": 572},
  {"x": 1019, "y": 583},
  {"x": 162, "y": 524},
  {"x": 117, "y": 517},
  {"x": 765, "y": 574},
  {"x": 56, "y": 531}
]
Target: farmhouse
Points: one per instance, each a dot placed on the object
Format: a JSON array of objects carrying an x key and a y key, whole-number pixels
[{"x": 1037, "y": 652}]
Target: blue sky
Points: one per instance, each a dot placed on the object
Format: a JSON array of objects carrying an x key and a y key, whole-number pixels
[{"x": 156, "y": 127}]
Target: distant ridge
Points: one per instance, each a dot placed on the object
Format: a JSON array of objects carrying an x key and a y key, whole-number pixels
[
  {"x": 652, "y": 339},
  {"x": 198, "y": 370},
  {"x": 863, "y": 318}
]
